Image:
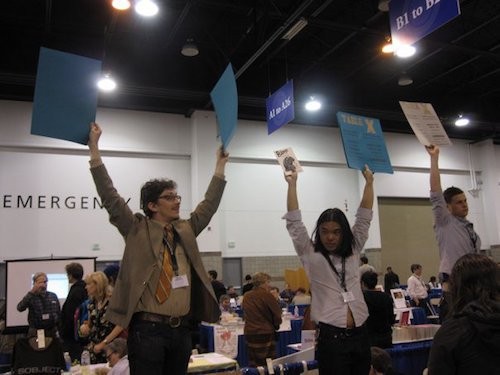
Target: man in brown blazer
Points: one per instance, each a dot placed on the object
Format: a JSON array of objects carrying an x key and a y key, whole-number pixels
[{"x": 159, "y": 340}]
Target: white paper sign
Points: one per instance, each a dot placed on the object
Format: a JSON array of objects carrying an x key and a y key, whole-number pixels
[
  {"x": 308, "y": 339},
  {"x": 226, "y": 340},
  {"x": 288, "y": 161},
  {"x": 425, "y": 123}
]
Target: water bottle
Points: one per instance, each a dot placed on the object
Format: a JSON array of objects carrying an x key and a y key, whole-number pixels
[
  {"x": 67, "y": 360},
  {"x": 296, "y": 311},
  {"x": 85, "y": 362}
]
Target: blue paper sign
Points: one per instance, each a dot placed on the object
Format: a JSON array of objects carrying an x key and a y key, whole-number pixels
[
  {"x": 411, "y": 20},
  {"x": 280, "y": 107},
  {"x": 225, "y": 100},
  {"x": 65, "y": 100},
  {"x": 364, "y": 143}
]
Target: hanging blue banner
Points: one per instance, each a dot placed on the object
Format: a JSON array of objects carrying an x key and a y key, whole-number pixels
[
  {"x": 411, "y": 20},
  {"x": 280, "y": 107}
]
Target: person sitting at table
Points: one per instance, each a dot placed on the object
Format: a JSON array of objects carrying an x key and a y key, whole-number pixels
[
  {"x": 231, "y": 292},
  {"x": 381, "y": 362},
  {"x": 381, "y": 310},
  {"x": 433, "y": 284},
  {"x": 225, "y": 304},
  {"x": 276, "y": 294},
  {"x": 287, "y": 293},
  {"x": 468, "y": 342},
  {"x": 262, "y": 316},
  {"x": 301, "y": 298}
]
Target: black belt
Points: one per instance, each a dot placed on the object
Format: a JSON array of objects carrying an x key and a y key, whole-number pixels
[
  {"x": 171, "y": 321},
  {"x": 338, "y": 332}
]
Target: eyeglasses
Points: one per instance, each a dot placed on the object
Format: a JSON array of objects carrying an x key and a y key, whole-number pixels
[{"x": 171, "y": 197}]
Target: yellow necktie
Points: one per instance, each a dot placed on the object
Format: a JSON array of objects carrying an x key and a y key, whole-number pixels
[{"x": 164, "y": 283}]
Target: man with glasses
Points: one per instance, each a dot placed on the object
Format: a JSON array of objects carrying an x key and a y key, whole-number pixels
[
  {"x": 454, "y": 233},
  {"x": 116, "y": 354},
  {"x": 162, "y": 285}
]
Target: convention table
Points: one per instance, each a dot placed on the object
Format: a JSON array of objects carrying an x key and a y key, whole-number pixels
[{"x": 285, "y": 337}]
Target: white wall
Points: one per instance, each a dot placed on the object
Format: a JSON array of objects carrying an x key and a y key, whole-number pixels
[{"x": 138, "y": 146}]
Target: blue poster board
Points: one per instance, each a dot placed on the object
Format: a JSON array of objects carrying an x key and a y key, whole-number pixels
[
  {"x": 65, "y": 100},
  {"x": 364, "y": 143},
  {"x": 280, "y": 107},
  {"x": 224, "y": 97},
  {"x": 411, "y": 20}
]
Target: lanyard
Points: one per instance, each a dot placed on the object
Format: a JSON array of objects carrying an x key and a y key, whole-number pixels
[
  {"x": 340, "y": 275},
  {"x": 171, "y": 250}
]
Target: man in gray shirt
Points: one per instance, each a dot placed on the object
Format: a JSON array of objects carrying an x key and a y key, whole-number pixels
[{"x": 454, "y": 233}]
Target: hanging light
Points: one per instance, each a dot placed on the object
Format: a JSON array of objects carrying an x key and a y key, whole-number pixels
[
  {"x": 146, "y": 8},
  {"x": 106, "y": 83},
  {"x": 121, "y": 4},
  {"x": 405, "y": 80},
  {"x": 313, "y": 105},
  {"x": 405, "y": 50},
  {"x": 462, "y": 121},
  {"x": 190, "y": 49}
]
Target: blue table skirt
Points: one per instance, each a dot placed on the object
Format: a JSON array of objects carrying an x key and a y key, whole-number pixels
[
  {"x": 285, "y": 338},
  {"x": 410, "y": 358}
]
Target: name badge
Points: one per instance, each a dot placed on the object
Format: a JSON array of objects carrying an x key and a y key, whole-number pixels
[
  {"x": 348, "y": 297},
  {"x": 45, "y": 316},
  {"x": 180, "y": 281}
]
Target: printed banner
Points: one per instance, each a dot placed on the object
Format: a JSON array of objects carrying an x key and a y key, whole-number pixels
[
  {"x": 411, "y": 20},
  {"x": 280, "y": 107}
]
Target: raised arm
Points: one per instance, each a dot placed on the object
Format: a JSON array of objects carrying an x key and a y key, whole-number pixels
[
  {"x": 292, "y": 202},
  {"x": 220, "y": 166},
  {"x": 367, "y": 199},
  {"x": 435, "y": 176},
  {"x": 94, "y": 135}
]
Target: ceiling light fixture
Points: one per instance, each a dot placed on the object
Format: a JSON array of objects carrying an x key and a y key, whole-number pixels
[
  {"x": 405, "y": 80},
  {"x": 388, "y": 48},
  {"x": 383, "y": 5},
  {"x": 295, "y": 29},
  {"x": 106, "y": 83},
  {"x": 146, "y": 8},
  {"x": 462, "y": 121},
  {"x": 190, "y": 49},
  {"x": 121, "y": 4},
  {"x": 313, "y": 105},
  {"x": 405, "y": 50}
]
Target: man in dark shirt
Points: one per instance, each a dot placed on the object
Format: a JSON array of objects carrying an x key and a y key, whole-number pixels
[
  {"x": 44, "y": 310},
  {"x": 391, "y": 280},
  {"x": 379, "y": 323},
  {"x": 76, "y": 295},
  {"x": 219, "y": 288}
]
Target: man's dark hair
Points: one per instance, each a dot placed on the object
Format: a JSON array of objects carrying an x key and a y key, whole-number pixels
[
  {"x": 151, "y": 191},
  {"x": 213, "y": 274},
  {"x": 75, "y": 270},
  {"x": 389, "y": 269},
  {"x": 370, "y": 279},
  {"x": 364, "y": 260},
  {"x": 381, "y": 360},
  {"x": 449, "y": 193},
  {"x": 415, "y": 266},
  {"x": 334, "y": 214},
  {"x": 248, "y": 277}
]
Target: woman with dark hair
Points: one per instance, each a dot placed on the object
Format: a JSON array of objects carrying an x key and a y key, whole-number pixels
[
  {"x": 469, "y": 341},
  {"x": 331, "y": 261}
]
